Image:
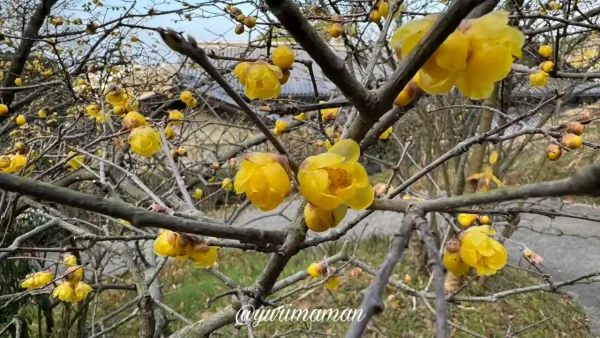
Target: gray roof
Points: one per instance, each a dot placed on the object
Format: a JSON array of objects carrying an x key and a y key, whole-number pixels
[{"x": 582, "y": 88}]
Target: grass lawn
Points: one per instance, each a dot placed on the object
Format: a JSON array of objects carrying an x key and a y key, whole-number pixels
[{"x": 186, "y": 290}]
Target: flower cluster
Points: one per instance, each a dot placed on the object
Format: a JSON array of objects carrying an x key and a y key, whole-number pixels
[
  {"x": 571, "y": 140},
  {"x": 12, "y": 163},
  {"x": 172, "y": 244},
  {"x": 474, "y": 57},
  {"x": 475, "y": 249}
]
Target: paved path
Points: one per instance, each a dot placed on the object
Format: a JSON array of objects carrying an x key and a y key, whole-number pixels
[{"x": 565, "y": 257}]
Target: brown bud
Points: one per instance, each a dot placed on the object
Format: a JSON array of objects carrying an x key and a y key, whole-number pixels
[
  {"x": 250, "y": 21},
  {"x": 239, "y": 29},
  {"x": 379, "y": 190},
  {"x": 575, "y": 128},
  {"x": 20, "y": 146},
  {"x": 91, "y": 28},
  {"x": 453, "y": 245},
  {"x": 586, "y": 115},
  {"x": 234, "y": 12}
]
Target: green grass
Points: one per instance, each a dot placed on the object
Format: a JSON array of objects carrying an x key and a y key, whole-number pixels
[{"x": 186, "y": 290}]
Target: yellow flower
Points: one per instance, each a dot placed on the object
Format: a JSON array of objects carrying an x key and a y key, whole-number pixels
[
  {"x": 454, "y": 263},
  {"x": 407, "y": 94},
  {"x": 226, "y": 184},
  {"x": 3, "y": 109},
  {"x": 197, "y": 194},
  {"x": 283, "y": 57},
  {"x": 76, "y": 162},
  {"x": 175, "y": 117},
  {"x": 132, "y": 105},
  {"x": 539, "y": 79},
  {"x": 493, "y": 47},
  {"x": 315, "y": 270},
  {"x": 133, "y": 120},
  {"x": 546, "y": 51},
  {"x": 4, "y": 162},
  {"x": 333, "y": 283},
  {"x": 81, "y": 291},
  {"x": 386, "y": 134},
  {"x": 37, "y": 280},
  {"x": 319, "y": 220},
  {"x": 384, "y": 9},
  {"x": 466, "y": 220},
  {"x": 240, "y": 71},
  {"x": 280, "y": 127},
  {"x": 202, "y": 255},
  {"x": 301, "y": 117},
  {"x": 168, "y": 243},
  {"x": 115, "y": 95},
  {"x": 17, "y": 162},
  {"x": 93, "y": 110},
  {"x": 18, "y": 82},
  {"x": 145, "y": 141},
  {"x": 329, "y": 114},
  {"x": 169, "y": 133},
  {"x": 333, "y": 178},
  {"x": 20, "y": 120},
  {"x": 264, "y": 178},
  {"x": 262, "y": 81},
  {"x": 571, "y": 141},
  {"x": 69, "y": 261},
  {"x": 188, "y": 98},
  {"x": 42, "y": 113},
  {"x": 119, "y": 110},
  {"x": 484, "y": 219},
  {"x": 65, "y": 292},
  {"x": 481, "y": 252},
  {"x": 547, "y": 66},
  {"x": 74, "y": 274}
]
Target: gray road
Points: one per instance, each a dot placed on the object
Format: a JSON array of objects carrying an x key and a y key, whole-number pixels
[{"x": 565, "y": 256}]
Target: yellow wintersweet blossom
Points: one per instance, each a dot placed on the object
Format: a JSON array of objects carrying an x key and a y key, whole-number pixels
[
  {"x": 482, "y": 252},
  {"x": 175, "y": 117},
  {"x": 168, "y": 243},
  {"x": 69, "y": 261},
  {"x": 17, "y": 162},
  {"x": 188, "y": 98},
  {"x": 264, "y": 178},
  {"x": 197, "y": 194},
  {"x": 546, "y": 51},
  {"x": 82, "y": 289},
  {"x": 454, "y": 263},
  {"x": 319, "y": 220},
  {"x": 202, "y": 255},
  {"x": 547, "y": 66},
  {"x": 169, "y": 133},
  {"x": 262, "y": 81},
  {"x": 4, "y": 162},
  {"x": 315, "y": 270},
  {"x": 474, "y": 57},
  {"x": 386, "y": 134},
  {"x": 280, "y": 127},
  {"x": 493, "y": 47},
  {"x": 336, "y": 136},
  {"x": 283, "y": 57},
  {"x": 488, "y": 174},
  {"x": 240, "y": 71},
  {"x": 329, "y": 114},
  {"x": 18, "y": 82},
  {"x": 115, "y": 95},
  {"x": 65, "y": 292},
  {"x": 226, "y": 184},
  {"x": 333, "y": 178},
  {"x": 145, "y": 141},
  {"x": 133, "y": 120},
  {"x": 76, "y": 162},
  {"x": 333, "y": 283},
  {"x": 539, "y": 79},
  {"x": 74, "y": 274},
  {"x": 37, "y": 280},
  {"x": 466, "y": 220},
  {"x": 301, "y": 117},
  {"x": 3, "y": 109},
  {"x": 20, "y": 120}
]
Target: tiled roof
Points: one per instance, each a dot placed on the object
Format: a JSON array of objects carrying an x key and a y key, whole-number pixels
[{"x": 587, "y": 88}]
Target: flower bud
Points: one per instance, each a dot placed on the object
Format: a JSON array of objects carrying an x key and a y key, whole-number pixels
[
  {"x": 571, "y": 141},
  {"x": 553, "y": 152},
  {"x": 575, "y": 128}
]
